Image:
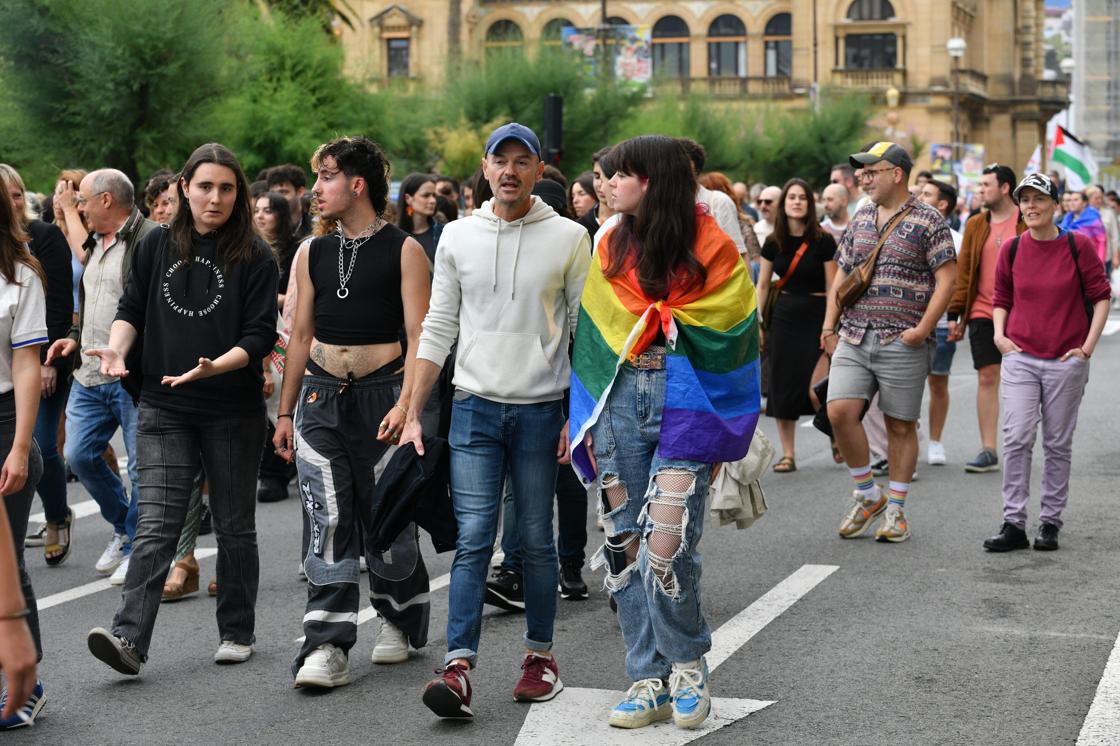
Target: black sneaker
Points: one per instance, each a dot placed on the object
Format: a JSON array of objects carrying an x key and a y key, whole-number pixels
[
  {"x": 505, "y": 590},
  {"x": 272, "y": 490},
  {"x": 985, "y": 462},
  {"x": 572, "y": 586},
  {"x": 206, "y": 522},
  {"x": 1047, "y": 539},
  {"x": 880, "y": 468},
  {"x": 1009, "y": 538},
  {"x": 115, "y": 651}
]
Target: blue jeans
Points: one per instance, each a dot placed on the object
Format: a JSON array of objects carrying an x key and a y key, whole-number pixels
[
  {"x": 52, "y": 487},
  {"x": 653, "y": 514},
  {"x": 486, "y": 439},
  {"x": 93, "y": 414},
  {"x": 571, "y": 523}
]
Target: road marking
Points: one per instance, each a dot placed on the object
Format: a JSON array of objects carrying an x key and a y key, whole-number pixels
[
  {"x": 1102, "y": 724},
  {"x": 81, "y": 510},
  {"x": 100, "y": 585},
  {"x": 579, "y": 716}
]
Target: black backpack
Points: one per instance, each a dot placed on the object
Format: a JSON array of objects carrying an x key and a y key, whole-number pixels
[{"x": 1077, "y": 267}]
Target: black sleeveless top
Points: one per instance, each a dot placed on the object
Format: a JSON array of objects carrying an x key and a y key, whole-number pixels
[{"x": 372, "y": 311}]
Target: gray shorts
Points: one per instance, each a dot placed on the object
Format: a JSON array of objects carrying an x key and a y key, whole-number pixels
[{"x": 896, "y": 370}]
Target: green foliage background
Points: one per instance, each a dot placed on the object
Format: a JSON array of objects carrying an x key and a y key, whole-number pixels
[{"x": 138, "y": 84}]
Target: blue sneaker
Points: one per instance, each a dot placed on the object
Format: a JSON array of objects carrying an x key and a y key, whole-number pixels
[
  {"x": 688, "y": 687},
  {"x": 25, "y": 715},
  {"x": 647, "y": 701}
]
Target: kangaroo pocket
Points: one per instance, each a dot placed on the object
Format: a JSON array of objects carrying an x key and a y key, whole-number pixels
[{"x": 506, "y": 364}]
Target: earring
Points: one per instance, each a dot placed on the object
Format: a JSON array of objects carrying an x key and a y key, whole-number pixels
[
  {"x": 409, "y": 211},
  {"x": 355, "y": 194}
]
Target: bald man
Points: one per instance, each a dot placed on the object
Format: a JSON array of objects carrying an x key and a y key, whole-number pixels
[
  {"x": 835, "y": 199},
  {"x": 767, "y": 208}
]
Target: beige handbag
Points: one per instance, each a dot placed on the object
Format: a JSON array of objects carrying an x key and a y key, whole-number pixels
[{"x": 736, "y": 493}]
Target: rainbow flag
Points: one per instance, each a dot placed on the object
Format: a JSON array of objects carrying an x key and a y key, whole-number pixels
[
  {"x": 712, "y": 393},
  {"x": 1088, "y": 223}
]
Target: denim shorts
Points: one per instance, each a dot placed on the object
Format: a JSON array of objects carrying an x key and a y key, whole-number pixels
[
  {"x": 943, "y": 354},
  {"x": 896, "y": 370}
]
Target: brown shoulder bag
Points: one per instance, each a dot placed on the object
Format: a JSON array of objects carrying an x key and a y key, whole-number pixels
[{"x": 857, "y": 281}]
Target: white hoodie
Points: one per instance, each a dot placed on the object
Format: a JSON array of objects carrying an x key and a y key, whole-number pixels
[{"x": 510, "y": 291}]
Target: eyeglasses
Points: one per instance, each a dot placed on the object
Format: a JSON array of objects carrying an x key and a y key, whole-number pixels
[
  {"x": 868, "y": 174},
  {"x": 992, "y": 168},
  {"x": 764, "y": 202},
  {"x": 79, "y": 199}
]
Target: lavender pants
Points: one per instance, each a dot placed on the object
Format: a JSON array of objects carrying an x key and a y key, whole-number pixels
[{"x": 1033, "y": 389}]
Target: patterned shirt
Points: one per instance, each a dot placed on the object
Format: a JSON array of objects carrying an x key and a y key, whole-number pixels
[{"x": 902, "y": 284}]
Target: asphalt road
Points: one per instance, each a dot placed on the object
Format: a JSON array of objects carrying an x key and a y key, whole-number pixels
[{"x": 932, "y": 641}]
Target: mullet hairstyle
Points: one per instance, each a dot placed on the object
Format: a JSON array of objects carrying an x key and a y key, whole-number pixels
[
  {"x": 236, "y": 236},
  {"x": 359, "y": 156},
  {"x": 781, "y": 222},
  {"x": 658, "y": 241},
  {"x": 410, "y": 186},
  {"x": 14, "y": 240}
]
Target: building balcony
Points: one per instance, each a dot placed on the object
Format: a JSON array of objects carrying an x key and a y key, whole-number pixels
[
  {"x": 1053, "y": 92},
  {"x": 728, "y": 87},
  {"x": 875, "y": 80}
]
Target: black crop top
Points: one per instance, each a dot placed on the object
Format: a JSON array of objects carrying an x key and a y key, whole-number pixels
[{"x": 372, "y": 311}]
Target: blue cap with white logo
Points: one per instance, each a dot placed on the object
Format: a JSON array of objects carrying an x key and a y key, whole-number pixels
[{"x": 513, "y": 131}]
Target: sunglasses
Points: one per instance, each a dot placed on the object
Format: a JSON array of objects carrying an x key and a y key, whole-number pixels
[{"x": 765, "y": 202}]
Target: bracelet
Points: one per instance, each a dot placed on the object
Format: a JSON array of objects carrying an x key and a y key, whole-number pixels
[
  {"x": 21, "y": 614},
  {"x": 833, "y": 330},
  {"x": 398, "y": 406},
  {"x": 1086, "y": 354},
  {"x": 286, "y": 415}
]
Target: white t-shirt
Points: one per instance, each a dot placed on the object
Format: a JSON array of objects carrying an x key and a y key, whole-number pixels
[
  {"x": 23, "y": 318},
  {"x": 943, "y": 322}
]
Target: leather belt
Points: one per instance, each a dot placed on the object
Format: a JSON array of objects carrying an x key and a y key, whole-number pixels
[{"x": 652, "y": 359}]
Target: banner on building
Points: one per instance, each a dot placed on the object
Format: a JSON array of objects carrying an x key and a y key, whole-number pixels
[{"x": 629, "y": 48}]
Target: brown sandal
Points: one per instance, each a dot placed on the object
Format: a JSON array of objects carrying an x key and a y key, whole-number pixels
[
  {"x": 785, "y": 465},
  {"x": 183, "y": 580}
]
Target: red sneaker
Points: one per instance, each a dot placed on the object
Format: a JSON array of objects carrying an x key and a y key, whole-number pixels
[
  {"x": 540, "y": 679},
  {"x": 449, "y": 696}
]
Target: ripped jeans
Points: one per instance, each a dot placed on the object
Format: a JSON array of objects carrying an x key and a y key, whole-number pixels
[{"x": 653, "y": 515}]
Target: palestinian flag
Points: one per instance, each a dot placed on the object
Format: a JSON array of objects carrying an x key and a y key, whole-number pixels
[{"x": 1076, "y": 158}]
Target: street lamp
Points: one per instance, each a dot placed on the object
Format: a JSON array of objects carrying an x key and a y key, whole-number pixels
[
  {"x": 1067, "y": 66},
  {"x": 956, "y": 47}
]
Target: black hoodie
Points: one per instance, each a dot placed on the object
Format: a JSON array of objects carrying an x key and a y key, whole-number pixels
[{"x": 184, "y": 313}]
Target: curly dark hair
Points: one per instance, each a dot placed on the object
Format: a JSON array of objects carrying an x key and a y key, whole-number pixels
[{"x": 359, "y": 156}]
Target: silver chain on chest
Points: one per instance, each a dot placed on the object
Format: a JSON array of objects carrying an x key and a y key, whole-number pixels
[{"x": 352, "y": 244}]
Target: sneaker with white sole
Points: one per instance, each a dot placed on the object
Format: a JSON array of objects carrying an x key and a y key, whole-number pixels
[
  {"x": 117, "y": 652},
  {"x": 24, "y": 716},
  {"x": 862, "y": 514},
  {"x": 894, "y": 527},
  {"x": 326, "y": 667},
  {"x": 113, "y": 555},
  {"x": 118, "y": 576},
  {"x": 935, "y": 454},
  {"x": 392, "y": 645},
  {"x": 647, "y": 701},
  {"x": 232, "y": 652},
  {"x": 688, "y": 688}
]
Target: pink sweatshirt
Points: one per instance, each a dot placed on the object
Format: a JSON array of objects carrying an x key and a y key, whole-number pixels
[{"x": 1043, "y": 295}]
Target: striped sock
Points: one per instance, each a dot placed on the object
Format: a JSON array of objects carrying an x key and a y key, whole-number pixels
[
  {"x": 898, "y": 493},
  {"x": 865, "y": 482}
]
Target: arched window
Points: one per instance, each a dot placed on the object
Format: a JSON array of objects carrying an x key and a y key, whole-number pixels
[
  {"x": 670, "y": 48},
  {"x": 503, "y": 38},
  {"x": 727, "y": 48},
  {"x": 870, "y": 10},
  {"x": 554, "y": 29},
  {"x": 778, "y": 39}
]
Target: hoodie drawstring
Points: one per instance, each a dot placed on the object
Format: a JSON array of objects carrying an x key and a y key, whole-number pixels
[
  {"x": 497, "y": 242},
  {"x": 516, "y": 254}
]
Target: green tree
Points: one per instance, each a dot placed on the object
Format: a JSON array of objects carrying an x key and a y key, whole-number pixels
[{"x": 125, "y": 83}]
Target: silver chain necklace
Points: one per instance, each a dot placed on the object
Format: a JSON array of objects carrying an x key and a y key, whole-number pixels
[{"x": 353, "y": 244}]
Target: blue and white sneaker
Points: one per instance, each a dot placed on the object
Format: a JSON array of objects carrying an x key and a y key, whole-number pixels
[
  {"x": 688, "y": 687},
  {"x": 25, "y": 715},
  {"x": 647, "y": 701}
]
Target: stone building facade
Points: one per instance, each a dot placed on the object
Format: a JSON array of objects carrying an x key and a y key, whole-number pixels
[{"x": 894, "y": 50}]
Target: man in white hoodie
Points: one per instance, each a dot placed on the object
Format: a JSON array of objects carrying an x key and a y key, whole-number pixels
[{"x": 507, "y": 283}]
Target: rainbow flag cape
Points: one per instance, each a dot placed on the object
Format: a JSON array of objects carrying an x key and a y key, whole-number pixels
[
  {"x": 1088, "y": 223},
  {"x": 712, "y": 393}
]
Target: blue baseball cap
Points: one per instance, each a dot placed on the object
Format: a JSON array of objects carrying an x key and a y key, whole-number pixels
[{"x": 513, "y": 131}]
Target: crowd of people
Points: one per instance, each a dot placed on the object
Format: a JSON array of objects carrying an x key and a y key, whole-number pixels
[{"x": 241, "y": 335}]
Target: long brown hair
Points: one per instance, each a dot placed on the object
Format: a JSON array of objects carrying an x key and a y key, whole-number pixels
[
  {"x": 14, "y": 239},
  {"x": 659, "y": 239},
  {"x": 237, "y": 235},
  {"x": 781, "y": 222}
]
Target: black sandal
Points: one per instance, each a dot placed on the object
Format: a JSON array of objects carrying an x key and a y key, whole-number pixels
[
  {"x": 61, "y": 546},
  {"x": 785, "y": 465}
]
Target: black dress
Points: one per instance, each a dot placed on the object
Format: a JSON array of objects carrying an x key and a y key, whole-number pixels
[{"x": 793, "y": 338}]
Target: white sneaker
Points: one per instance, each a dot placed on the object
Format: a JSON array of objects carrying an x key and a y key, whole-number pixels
[
  {"x": 118, "y": 576},
  {"x": 232, "y": 652},
  {"x": 113, "y": 555},
  {"x": 935, "y": 456},
  {"x": 326, "y": 667},
  {"x": 392, "y": 645}
]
